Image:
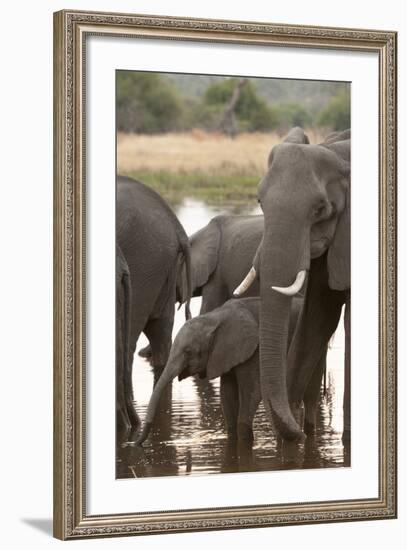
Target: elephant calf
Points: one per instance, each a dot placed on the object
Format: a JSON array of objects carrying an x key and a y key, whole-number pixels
[{"x": 225, "y": 343}]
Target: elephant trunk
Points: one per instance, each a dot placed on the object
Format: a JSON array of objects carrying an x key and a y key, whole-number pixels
[
  {"x": 173, "y": 368},
  {"x": 281, "y": 261}
]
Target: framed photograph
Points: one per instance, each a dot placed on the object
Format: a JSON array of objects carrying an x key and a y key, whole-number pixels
[{"x": 210, "y": 368}]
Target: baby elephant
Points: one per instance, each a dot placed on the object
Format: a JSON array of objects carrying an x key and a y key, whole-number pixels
[{"x": 225, "y": 343}]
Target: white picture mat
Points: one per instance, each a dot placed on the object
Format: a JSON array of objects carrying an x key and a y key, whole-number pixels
[{"x": 105, "y": 494}]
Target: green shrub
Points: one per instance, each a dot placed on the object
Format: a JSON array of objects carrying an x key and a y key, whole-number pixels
[
  {"x": 152, "y": 103},
  {"x": 336, "y": 115},
  {"x": 147, "y": 103},
  {"x": 206, "y": 117},
  {"x": 252, "y": 112},
  {"x": 292, "y": 114}
]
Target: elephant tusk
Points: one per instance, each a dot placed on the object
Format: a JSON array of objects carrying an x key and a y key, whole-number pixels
[
  {"x": 246, "y": 283},
  {"x": 295, "y": 287}
]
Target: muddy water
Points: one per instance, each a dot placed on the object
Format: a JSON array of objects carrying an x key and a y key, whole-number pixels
[{"x": 188, "y": 437}]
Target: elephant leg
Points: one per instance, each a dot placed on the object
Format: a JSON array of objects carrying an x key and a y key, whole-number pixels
[
  {"x": 123, "y": 421},
  {"x": 318, "y": 320},
  {"x": 122, "y": 415},
  {"x": 248, "y": 379},
  {"x": 129, "y": 399},
  {"x": 126, "y": 387},
  {"x": 347, "y": 383},
  {"x": 159, "y": 333},
  {"x": 312, "y": 395},
  {"x": 229, "y": 395},
  {"x": 139, "y": 320},
  {"x": 126, "y": 414}
]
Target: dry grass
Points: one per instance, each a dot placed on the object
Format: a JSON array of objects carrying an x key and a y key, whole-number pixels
[
  {"x": 210, "y": 167},
  {"x": 197, "y": 151}
]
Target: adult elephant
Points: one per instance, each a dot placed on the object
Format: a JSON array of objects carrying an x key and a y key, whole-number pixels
[
  {"x": 305, "y": 198},
  {"x": 155, "y": 247}
]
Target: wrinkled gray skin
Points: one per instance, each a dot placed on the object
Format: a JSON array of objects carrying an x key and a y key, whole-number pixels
[
  {"x": 305, "y": 198},
  {"x": 155, "y": 247},
  {"x": 221, "y": 255},
  {"x": 337, "y": 136},
  {"x": 123, "y": 304},
  {"x": 223, "y": 342}
]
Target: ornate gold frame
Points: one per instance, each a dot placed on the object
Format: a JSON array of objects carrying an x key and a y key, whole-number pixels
[{"x": 70, "y": 31}]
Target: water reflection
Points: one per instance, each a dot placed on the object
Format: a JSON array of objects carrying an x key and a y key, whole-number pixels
[{"x": 188, "y": 436}]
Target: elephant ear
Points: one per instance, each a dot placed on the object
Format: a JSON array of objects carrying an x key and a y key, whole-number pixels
[
  {"x": 297, "y": 135},
  {"x": 235, "y": 340},
  {"x": 334, "y": 137},
  {"x": 339, "y": 251},
  {"x": 204, "y": 253}
]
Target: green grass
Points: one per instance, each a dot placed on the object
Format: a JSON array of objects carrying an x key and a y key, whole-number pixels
[{"x": 212, "y": 188}]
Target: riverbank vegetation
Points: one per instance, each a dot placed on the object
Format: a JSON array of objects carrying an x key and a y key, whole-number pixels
[
  {"x": 205, "y": 165},
  {"x": 209, "y": 137}
]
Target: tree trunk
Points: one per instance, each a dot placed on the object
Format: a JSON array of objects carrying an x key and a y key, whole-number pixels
[{"x": 228, "y": 123}]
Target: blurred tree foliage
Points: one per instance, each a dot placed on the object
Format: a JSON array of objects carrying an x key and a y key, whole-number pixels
[
  {"x": 147, "y": 103},
  {"x": 252, "y": 112},
  {"x": 152, "y": 103},
  {"x": 293, "y": 114},
  {"x": 336, "y": 115}
]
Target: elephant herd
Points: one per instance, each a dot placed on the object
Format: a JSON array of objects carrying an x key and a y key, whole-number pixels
[{"x": 273, "y": 288}]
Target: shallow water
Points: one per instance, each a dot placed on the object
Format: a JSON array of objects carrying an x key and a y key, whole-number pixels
[{"x": 188, "y": 437}]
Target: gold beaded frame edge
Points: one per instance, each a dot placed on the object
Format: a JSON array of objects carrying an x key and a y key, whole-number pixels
[{"x": 70, "y": 31}]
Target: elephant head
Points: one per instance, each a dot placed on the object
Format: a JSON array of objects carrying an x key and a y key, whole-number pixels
[
  {"x": 208, "y": 346},
  {"x": 305, "y": 198}
]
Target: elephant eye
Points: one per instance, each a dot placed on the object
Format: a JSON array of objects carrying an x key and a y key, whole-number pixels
[{"x": 320, "y": 210}]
